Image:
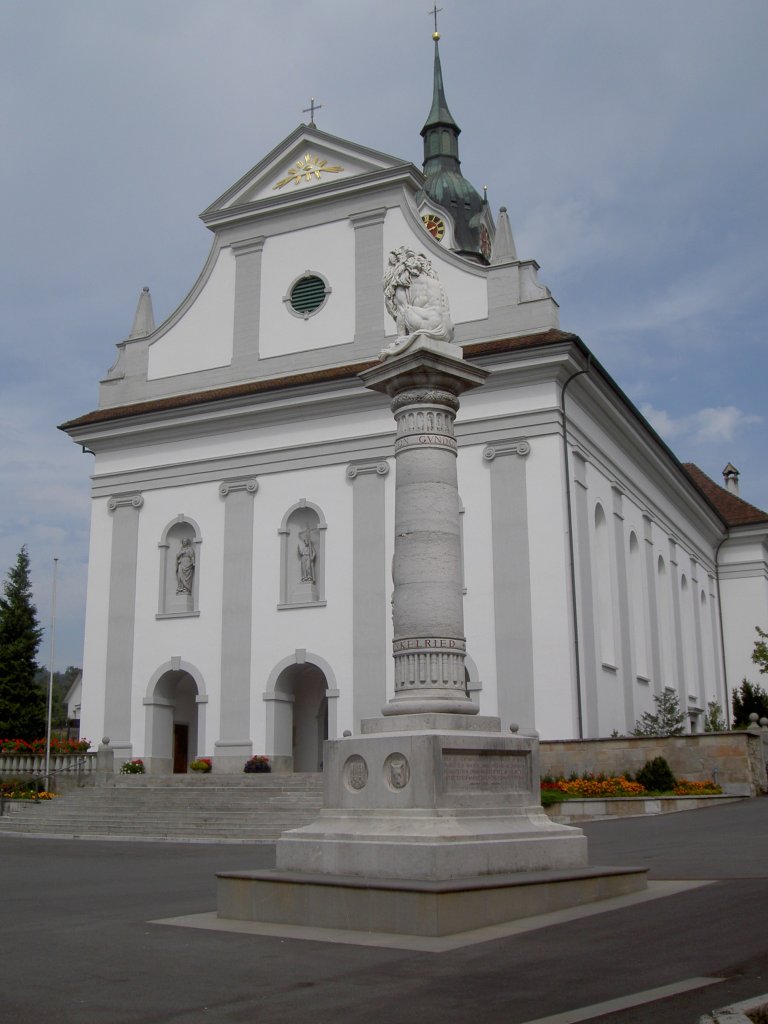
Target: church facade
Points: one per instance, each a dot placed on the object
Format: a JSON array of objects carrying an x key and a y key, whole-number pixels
[{"x": 242, "y": 492}]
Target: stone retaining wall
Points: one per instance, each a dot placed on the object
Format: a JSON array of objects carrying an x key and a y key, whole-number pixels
[{"x": 734, "y": 759}]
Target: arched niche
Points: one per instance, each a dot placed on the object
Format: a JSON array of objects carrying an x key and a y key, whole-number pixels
[
  {"x": 302, "y": 556},
  {"x": 179, "y": 549}
]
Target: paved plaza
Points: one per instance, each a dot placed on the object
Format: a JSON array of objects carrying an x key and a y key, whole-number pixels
[{"x": 79, "y": 942}]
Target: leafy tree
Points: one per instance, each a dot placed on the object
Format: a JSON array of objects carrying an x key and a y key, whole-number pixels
[
  {"x": 749, "y": 698},
  {"x": 714, "y": 721},
  {"x": 22, "y": 704},
  {"x": 760, "y": 653},
  {"x": 61, "y": 684},
  {"x": 668, "y": 721}
]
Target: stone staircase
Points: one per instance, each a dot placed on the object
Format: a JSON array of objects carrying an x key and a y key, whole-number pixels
[{"x": 203, "y": 808}]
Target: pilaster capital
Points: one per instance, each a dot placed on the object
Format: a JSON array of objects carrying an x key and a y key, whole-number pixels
[
  {"x": 519, "y": 446},
  {"x": 377, "y": 466},
  {"x": 248, "y": 245},
  {"x": 368, "y": 219},
  {"x": 250, "y": 485},
  {"x": 125, "y": 500}
]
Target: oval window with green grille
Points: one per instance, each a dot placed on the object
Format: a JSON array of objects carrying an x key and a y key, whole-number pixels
[{"x": 307, "y": 294}]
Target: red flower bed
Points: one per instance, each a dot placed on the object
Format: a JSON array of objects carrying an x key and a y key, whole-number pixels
[{"x": 36, "y": 748}]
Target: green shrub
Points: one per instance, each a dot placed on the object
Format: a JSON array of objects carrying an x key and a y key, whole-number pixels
[{"x": 656, "y": 776}]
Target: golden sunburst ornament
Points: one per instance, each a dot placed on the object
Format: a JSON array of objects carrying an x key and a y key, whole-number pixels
[{"x": 307, "y": 167}]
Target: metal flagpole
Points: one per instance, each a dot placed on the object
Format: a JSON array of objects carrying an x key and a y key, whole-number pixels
[{"x": 50, "y": 679}]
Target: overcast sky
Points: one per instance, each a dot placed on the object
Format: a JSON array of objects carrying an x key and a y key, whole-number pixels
[{"x": 626, "y": 137}]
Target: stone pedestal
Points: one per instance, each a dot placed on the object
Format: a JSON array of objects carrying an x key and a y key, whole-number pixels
[{"x": 431, "y": 797}]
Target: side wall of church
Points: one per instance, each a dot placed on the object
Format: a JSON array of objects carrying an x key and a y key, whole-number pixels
[
  {"x": 646, "y": 580},
  {"x": 744, "y": 594}
]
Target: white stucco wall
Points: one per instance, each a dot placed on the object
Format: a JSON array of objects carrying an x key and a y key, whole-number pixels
[
  {"x": 744, "y": 594},
  {"x": 324, "y": 631},
  {"x": 196, "y": 640},
  {"x": 203, "y": 337},
  {"x": 327, "y": 250},
  {"x": 550, "y": 591}
]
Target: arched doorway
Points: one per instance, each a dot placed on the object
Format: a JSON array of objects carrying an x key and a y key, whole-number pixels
[
  {"x": 301, "y": 712},
  {"x": 174, "y": 732},
  {"x": 309, "y": 714}
]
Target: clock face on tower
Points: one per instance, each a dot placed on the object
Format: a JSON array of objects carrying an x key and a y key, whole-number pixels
[
  {"x": 485, "y": 242},
  {"x": 435, "y": 225}
]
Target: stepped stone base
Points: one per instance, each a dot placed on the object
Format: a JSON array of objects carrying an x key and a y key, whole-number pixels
[
  {"x": 415, "y": 908},
  {"x": 431, "y": 826}
]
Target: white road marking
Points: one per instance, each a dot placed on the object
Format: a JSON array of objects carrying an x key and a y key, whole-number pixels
[{"x": 650, "y": 995}]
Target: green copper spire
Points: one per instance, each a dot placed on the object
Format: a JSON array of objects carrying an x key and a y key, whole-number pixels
[
  {"x": 445, "y": 184},
  {"x": 439, "y": 116}
]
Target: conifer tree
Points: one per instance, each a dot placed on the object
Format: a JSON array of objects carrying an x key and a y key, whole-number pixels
[
  {"x": 22, "y": 703},
  {"x": 750, "y": 698},
  {"x": 668, "y": 720}
]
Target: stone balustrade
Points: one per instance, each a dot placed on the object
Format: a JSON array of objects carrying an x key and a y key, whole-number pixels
[{"x": 34, "y": 765}]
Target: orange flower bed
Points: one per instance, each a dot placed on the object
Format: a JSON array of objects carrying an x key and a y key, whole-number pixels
[
  {"x": 614, "y": 786},
  {"x": 618, "y": 785},
  {"x": 685, "y": 787}
]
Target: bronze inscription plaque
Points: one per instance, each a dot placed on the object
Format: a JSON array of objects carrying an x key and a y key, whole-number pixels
[{"x": 486, "y": 771}]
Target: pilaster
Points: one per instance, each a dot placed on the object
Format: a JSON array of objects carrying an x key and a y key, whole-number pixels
[
  {"x": 651, "y": 579},
  {"x": 511, "y": 581},
  {"x": 369, "y": 610},
  {"x": 369, "y": 259},
  {"x": 677, "y": 630},
  {"x": 623, "y": 590},
  {"x": 247, "y": 299},
  {"x": 234, "y": 743},
  {"x": 583, "y": 549},
  {"x": 125, "y": 509}
]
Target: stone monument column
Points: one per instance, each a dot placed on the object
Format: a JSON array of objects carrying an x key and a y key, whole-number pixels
[{"x": 431, "y": 821}]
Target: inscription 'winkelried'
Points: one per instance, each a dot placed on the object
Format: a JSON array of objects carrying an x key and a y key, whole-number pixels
[
  {"x": 486, "y": 771},
  {"x": 422, "y": 643}
]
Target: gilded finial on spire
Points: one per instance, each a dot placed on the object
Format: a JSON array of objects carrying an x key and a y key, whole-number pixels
[{"x": 434, "y": 12}]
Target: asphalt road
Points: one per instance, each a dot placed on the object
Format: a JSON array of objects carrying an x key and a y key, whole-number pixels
[{"x": 76, "y": 943}]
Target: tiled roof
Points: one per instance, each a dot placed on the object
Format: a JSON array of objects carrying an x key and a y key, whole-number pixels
[
  {"x": 733, "y": 510},
  {"x": 297, "y": 380}
]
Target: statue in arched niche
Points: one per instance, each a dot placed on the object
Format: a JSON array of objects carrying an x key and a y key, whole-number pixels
[
  {"x": 307, "y": 555},
  {"x": 185, "y": 567},
  {"x": 415, "y": 300}
]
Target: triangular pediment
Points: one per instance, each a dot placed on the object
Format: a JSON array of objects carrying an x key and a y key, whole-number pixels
[{"x": 307, "y": 159}]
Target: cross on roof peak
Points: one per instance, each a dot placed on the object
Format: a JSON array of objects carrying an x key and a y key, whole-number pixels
[{"x": 311, "y": 111}]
